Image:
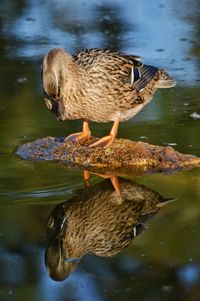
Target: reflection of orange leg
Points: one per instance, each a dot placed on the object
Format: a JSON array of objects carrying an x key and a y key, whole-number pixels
[
  {"x": 86, "y": 177},
  {"x": 85, "y": 134},
  {"x": 108, "y": 140},
  {"x": 114, "y": 180}
]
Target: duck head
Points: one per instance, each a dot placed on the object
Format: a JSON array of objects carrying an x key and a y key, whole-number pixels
[
  {"x": 58, "y": 262},
  {"x": 55, "y": 71}
]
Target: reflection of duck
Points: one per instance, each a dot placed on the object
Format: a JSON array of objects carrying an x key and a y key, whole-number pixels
[
  {"x": 99, "y": 85},
  {"x": 97, "y": 221}
]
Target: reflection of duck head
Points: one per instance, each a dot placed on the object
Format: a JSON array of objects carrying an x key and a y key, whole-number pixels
[{"x": 97, "y": 221}]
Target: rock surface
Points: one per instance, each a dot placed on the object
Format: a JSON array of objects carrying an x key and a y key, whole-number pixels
[{"x": 122, "y": 157}]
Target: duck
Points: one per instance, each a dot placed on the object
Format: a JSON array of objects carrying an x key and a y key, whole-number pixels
[
  {"x": 99, "y": 85},
  {"x": 97, "y": 221}
]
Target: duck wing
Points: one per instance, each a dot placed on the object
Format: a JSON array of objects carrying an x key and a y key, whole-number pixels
[
  {"x": 110, "y": 64},
  {"x": 87, "y": 58},
  {"x": 123, "y": 68}
]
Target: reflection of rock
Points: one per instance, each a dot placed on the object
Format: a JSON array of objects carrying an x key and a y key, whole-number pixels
[{"x": 97, "y": 221}]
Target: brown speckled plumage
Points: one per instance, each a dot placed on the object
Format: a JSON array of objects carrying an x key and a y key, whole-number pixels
[
  {"x": 98, "y": 221},
  {"x": 99, "y": 85}
]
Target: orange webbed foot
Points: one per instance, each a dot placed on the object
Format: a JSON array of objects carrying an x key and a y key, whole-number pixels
[
  {"x": 104, "y": 141},
  {"x": 84, "y": 135},
  {"x": 78, "y": 136},
  {"x": 108, "y": 140}
]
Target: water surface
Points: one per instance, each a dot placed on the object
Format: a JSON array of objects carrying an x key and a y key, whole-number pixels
[{"x": 163, "y": 262}]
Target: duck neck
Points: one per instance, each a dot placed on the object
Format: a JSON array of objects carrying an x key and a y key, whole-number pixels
[
  {"x": 72, "y": 70},
  {"x": 73, "y": 91}
]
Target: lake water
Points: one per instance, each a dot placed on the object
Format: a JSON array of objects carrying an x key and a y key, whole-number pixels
[{"x": 162, "y": 262}]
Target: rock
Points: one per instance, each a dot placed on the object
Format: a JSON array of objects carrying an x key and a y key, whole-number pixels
[{"x": 122, "y": 157}]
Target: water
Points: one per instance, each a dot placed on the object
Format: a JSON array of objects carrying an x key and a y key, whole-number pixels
[{"x": 162, "y": 262}]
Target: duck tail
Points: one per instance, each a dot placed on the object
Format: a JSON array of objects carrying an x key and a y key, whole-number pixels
[
  {"x": 149, "y": 75},
  {"x": 166, "y": 202},
  {"x": 165, "y": 80}
]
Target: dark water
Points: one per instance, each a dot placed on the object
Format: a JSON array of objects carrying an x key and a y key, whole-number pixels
[{"x": 162, "y": 262}]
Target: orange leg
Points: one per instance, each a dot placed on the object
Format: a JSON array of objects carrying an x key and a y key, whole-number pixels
[
  {"x": 85, "y": 134},
  {"x": 108, "y": 140}
]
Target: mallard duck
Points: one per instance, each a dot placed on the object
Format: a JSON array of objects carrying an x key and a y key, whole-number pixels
[
  {"x": 99, "y": 85},
  {"x": 97, "y": 221}
]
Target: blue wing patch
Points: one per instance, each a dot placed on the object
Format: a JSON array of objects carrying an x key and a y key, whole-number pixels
[{"x": 135, "y": 74}]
